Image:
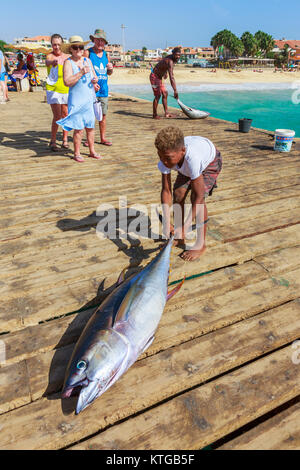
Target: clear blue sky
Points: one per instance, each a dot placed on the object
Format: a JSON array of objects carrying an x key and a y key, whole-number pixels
[{"x": 151, "y": 23}]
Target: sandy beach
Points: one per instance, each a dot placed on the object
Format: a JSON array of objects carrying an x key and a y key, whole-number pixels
[{"x": 185, "y": 75}]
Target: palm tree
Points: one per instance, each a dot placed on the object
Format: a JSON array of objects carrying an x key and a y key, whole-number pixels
[
  {"x": 286, "y": 53},
  {"x": 144, "y": 52},
  {"x": 226, "y": 39},
  {"x": 2, "y": 48},
  {"x": 221, "y": 39},
  {"x": 265, "y": 42},
  {"x": 236, "y": 46},
  {"x": 249, "y": 43}
]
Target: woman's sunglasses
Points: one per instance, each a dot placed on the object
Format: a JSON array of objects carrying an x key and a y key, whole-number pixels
[{"x": 77, "y": 47}]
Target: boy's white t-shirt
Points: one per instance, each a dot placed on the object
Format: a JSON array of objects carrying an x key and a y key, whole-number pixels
[{"x": 200, "y": 152}]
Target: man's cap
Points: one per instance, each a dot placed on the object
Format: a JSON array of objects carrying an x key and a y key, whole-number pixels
[{"x": 99, "y": 34}]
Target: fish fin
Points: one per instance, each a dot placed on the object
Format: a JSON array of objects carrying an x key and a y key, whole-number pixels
[
  {"x": 177, "y": 289},
  {"x": 149, "y": 342},
  {"x": 122, "y": 314},
  {"x": 121, "y": 277}
]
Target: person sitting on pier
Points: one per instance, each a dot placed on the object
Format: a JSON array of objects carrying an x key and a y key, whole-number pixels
[
  {"x": 20, "y": 72},
  {"x": 198, "y": 163}
]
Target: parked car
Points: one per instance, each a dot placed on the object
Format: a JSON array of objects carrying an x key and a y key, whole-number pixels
[
  {"x": 127, "y": 64},
  {"x": 136, "y": 65}
]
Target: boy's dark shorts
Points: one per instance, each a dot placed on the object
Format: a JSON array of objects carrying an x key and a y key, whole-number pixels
[{"x": 210, "y": 175}]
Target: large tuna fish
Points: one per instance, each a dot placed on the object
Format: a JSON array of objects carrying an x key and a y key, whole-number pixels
[
  {"x": 119, "y": 331},
  {"x": 191, "y": 112}
]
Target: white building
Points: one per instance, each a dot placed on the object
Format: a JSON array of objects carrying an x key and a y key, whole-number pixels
[{"x": 154, "y": 54}]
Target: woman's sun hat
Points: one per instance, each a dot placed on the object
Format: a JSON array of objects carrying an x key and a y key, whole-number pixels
[
  {"x": 99, "y": 34},
  {"x": 73, "y": 41}
]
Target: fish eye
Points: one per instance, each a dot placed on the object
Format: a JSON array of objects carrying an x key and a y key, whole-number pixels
[{"x": 81, "y": 365}]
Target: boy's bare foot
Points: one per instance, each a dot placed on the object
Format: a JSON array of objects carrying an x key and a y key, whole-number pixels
[
  {"x": 156, "y": 117},
  {"x": 192, "y": 255},
  {"x": 169, "y": 116}
]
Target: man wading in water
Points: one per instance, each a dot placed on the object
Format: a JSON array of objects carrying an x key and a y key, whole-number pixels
[{"x": 159, "y": 72}]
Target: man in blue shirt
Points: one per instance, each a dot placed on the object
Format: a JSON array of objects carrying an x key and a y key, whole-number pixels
[{"x": 103, "y": 68}]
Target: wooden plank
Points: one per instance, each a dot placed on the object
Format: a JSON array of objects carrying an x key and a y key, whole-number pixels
[
  {"x": 44, "y": 424},
  {"x": 57, "y": 333},
  {"x": 29, "y": 197},
  {"x": 14, "y": 387},
  {"x": 259, "y": 225},
  {"x": 87, "y": 250},
  {"x": 281, "y": 432},
  {"x": 50, "y": 247},
  {"x": 23, "y": 206},
  {"x": 79, "y": 206},
  {"x": 130, "y": 158},
  {"x": 61, "y": 332},
  {"x": 200, "y": 417},
  {"x": 39, "y": 366},
  {"x": 279, "y": 258},
  {"x": 38, "y": 301},
  {"x": 231, "y": 180}
]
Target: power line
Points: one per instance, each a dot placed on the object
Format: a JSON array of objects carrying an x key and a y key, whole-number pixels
[{"x": 123, "y": 37}]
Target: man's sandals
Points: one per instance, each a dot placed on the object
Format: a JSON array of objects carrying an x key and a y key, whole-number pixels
[{"x": 55, "y": 148}]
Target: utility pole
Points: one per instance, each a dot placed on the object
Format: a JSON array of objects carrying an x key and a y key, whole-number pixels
[{"x": 123, "y": 37}]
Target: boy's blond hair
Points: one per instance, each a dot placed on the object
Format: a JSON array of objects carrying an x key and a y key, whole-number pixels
[{"x": 169, "y": 138}]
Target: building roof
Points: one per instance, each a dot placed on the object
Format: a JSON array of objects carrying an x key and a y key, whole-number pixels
[
  {"x": 41, "y": 38},
  {"x": 292, "y": 43}
]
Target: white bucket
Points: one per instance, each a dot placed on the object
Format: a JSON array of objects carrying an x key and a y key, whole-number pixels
[{"x": 283, "y": 140}]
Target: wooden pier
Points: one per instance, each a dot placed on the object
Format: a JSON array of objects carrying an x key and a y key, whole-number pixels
[{"x": 224, "y": 368}]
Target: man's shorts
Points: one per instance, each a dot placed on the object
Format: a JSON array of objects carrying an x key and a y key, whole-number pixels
[
  {"x": 104, "y": 104},
  {"x": 2, "y": 77},
  {"x": 210, "y": 175},
  {"x": 53, "y": 97},
  {"x": 157, "y": 84}
]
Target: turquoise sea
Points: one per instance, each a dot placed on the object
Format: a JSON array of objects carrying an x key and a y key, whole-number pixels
[{"x": 271, "y": 106}]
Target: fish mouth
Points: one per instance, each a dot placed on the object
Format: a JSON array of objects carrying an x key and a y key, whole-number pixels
[
  {"x": 86, "y": 390},
  {"x": 91, "y": 391},
  {"x": 87, "y": 395},
  {"x": 74, "y": 389}
]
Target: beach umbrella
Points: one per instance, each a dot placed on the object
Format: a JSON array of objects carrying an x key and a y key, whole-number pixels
[{"x": 34, "y": 49}]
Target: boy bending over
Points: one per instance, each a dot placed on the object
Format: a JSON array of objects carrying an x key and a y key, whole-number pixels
[{"x": 198, "y": 163}]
